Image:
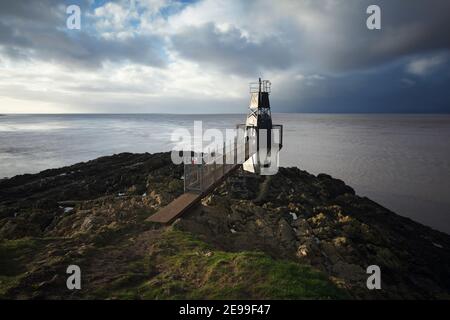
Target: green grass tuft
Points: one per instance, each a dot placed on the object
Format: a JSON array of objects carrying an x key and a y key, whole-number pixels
[
  {"x": 14, "y": 255},
  {"x": 190, "y": 269}
]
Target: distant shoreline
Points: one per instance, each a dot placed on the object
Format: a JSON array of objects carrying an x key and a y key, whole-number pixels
[{"x": 232, "y": 113}]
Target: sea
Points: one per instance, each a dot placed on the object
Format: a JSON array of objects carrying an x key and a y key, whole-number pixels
[{"x": 401, "y": 161}]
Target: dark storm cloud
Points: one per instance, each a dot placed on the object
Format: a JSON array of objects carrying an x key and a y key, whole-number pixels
[
  {"x": 387, "y": 90},
  {"x": 320, "y": 51},
  {"x": 408, "y": 28},
  {"x": 230, "y": 51},
  {"x": 36, "y": 29},
  {"x": 321, "y": 36},
  {"x": 337, "y": 41}
]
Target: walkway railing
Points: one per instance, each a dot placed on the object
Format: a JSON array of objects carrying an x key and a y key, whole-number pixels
[{"x": 202, "y": 170}]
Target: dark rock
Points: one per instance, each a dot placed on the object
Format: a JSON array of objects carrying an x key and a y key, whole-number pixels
[
  {"x": 335, "y": 231},
  {"x": 94, "y": 214}
]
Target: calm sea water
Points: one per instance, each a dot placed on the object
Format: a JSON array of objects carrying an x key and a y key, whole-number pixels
[{"x": 400, "y": 161}]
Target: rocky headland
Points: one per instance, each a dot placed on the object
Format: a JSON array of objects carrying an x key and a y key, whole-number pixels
[{"x": 289, "y": 236}]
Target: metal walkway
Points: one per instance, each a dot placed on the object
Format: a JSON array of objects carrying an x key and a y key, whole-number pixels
[
  {"x": 202, "y": 174},
  {"x": 206, "y": 170},
  {"x": 176, "y": 208},
  {"x": 183, "y": 203}
]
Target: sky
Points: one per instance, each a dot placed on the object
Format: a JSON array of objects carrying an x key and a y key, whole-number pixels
[{"x": 168, "y": 56}]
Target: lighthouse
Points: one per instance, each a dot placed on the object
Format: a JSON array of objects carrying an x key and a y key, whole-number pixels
[{"x": 263, "y": 139}]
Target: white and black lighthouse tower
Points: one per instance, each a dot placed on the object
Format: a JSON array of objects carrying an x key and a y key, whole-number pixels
[{"x": 263, "y": 138}]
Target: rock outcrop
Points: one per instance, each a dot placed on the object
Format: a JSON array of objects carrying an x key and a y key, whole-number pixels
[
  {"x": 93, "y": 214},
  {"x": 318, "y": 220}
]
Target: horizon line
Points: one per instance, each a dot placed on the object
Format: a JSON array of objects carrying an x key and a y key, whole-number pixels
[{"x": 219, "y": 113}]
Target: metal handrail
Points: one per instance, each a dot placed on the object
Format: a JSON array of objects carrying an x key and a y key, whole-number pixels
[
  {"x": 265, "y": 86},
  {"x": 210, "y": 167}
]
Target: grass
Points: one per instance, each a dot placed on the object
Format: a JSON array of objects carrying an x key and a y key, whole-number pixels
[
  {"x": 14, "y": 255},
  {"x": 179, "y": 266},
  {"x": 190, "y": 269}
]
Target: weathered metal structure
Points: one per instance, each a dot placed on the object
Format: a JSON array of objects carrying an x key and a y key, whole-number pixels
[
  {"x": 256, "y": 146},
  {"x": 205, "y": 169},
  {"x": 263, "y": 139}
]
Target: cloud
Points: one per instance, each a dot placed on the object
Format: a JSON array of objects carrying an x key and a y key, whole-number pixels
[
  {"x": 231, "y": 50},
  {"x": 424, "y": 65},
  {"x": 333, "y": 34},
  {"x": 36, "y": 29},
  {"x": 152, "y": 54},
  {"x": 327, "y": 36}
]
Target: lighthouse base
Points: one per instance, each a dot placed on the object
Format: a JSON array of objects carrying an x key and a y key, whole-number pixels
[{"x": 263, "y": 164}]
